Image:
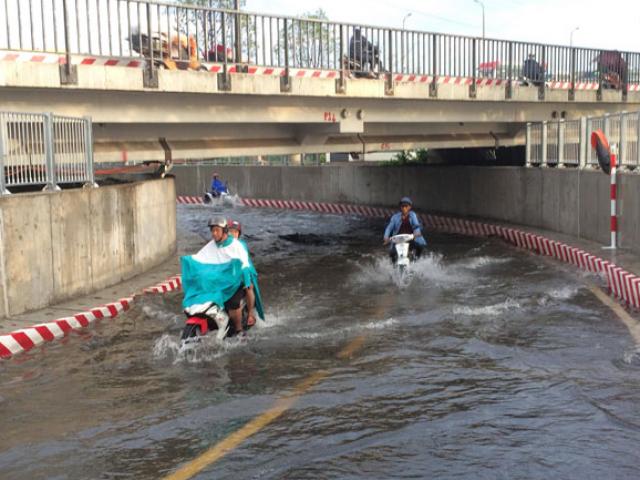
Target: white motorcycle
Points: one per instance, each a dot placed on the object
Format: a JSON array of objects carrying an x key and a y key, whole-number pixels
[{"x": 401, "y": 243}]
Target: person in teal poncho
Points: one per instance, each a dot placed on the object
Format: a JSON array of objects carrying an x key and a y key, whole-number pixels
[{"x": 235, "y": 230}]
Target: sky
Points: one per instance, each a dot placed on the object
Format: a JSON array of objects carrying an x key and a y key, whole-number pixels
[{"x": 611, "y": 24}]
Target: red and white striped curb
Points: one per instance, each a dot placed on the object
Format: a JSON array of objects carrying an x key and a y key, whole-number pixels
[
  {"x": 190, "y": 199},
  {"x": 169, "y": 285},
  {"x": 623, "y": 285},
  {"x": 25, "y": 339}
]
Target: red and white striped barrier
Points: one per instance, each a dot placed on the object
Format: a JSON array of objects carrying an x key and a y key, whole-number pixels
[
  {"x": 36, "y": 57},
  {"x": 622, "y": 284},
  {"x": 190, "y": 200},
  {"x": 613, "y": 196},
  {"x": 25, "y": 339},
  {"x": 169, "y": 285}
]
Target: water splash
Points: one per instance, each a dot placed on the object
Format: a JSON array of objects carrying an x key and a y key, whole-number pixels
[
  {"x": 482, "y": 261},
  {"x": 429, "y": 268},
  {"x": 488, "y": 310}
]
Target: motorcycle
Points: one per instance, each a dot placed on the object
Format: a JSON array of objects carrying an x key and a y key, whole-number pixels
[
  {"x": 404, "y": 256},
  {"x": 206, "y": 317},
  {"x": 215, "y": 197}
]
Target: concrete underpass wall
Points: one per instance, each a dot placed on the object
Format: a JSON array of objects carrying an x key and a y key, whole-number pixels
[
  {"x": 55, "y": 246},
  {"x": 562, "y": 200}
]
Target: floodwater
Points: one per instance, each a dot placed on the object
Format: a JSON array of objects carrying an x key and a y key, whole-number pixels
[{"x": 492, "y": 363}]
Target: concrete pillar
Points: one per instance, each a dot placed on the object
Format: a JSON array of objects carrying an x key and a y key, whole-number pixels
[
  {"x": 561, "y": 139},
  {"x": 544, "y": 145},
  {"x": 295, "y": 159},
  {"x": 584, "y": 142},
  {"x": 527, "y": 161}
]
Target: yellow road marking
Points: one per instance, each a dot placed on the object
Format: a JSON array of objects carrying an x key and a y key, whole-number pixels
[
  {"x": 631, "y": 323},
  {"x": 229, "y": 443}
]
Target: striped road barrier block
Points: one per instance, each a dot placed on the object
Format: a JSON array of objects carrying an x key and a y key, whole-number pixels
[{"x": 25, "y": 339}]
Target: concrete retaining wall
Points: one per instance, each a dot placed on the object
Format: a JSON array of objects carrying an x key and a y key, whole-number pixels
[
  {"x": 561, "y": 200},
  {"x": 55, "y": 246}
]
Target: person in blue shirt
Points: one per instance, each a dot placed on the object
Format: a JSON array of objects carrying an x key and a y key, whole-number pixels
[
  {"x": 217, "y": 187},
  {"x": 405, "y": 221}
]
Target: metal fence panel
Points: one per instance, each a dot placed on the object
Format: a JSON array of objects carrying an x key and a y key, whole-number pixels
[
  {"x": 571, "y": 144},
  {"x": 38, "y": 148},
  {"x": 553, "y": 147},
  {"x": 536, "y": 143}
]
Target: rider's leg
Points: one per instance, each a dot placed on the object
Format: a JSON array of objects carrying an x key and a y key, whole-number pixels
[
  {"x": 418, "y": 249},
  {"x": 233, "y": 308},
  {"x": 251, "y": 303},
  {"x": 393, "y": 254},
  {"x": 236, "y": 317}
]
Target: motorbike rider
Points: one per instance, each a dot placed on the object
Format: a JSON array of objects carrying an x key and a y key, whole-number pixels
[
  {"x": 217, "y": 186},
  {"x": 235, "y": 230},
  {"x": 229, "y": 246},
  {"x": 405, "y": 221}
]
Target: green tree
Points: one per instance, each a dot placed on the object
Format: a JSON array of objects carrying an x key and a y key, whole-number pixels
[{"x": 312, "y": 43}]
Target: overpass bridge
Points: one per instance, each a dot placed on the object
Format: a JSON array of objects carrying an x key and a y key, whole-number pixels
[{"x": 163, "y": 81}]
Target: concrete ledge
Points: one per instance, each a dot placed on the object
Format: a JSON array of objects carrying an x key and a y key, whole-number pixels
[
  {"x": 59, "y": 245},
  {"x": 30, "y": 75}
]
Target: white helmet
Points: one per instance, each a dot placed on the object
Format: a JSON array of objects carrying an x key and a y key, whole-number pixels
[{"x": 218, "y": 222}]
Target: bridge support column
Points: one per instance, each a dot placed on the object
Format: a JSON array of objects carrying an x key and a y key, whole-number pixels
[{"x": 295, "y": 159}]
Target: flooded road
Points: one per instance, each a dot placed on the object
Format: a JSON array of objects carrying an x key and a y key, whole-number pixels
[{"x": 493, "y": 363}]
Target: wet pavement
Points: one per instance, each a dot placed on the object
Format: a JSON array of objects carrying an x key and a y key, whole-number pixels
[{"x": 492, "y": 363}]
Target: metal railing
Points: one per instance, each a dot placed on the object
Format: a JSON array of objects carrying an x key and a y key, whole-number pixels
[
  {"x": 44, "y": 149},
  {"x": 567, "y": 143},
  {"x": 163, "y": 32}
]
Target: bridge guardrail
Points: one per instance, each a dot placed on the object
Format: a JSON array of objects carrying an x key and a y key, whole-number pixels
[
  {"x": 566, "y": 143},
  {"x": 181, "y": 36},
  {"x": 42, "y": 148}
]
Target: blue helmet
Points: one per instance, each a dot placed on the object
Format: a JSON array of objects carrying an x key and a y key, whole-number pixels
[{"x": 406, "y": 201}]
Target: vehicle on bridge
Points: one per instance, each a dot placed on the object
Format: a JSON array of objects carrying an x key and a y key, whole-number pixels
[{"x": 174, "y": 52}]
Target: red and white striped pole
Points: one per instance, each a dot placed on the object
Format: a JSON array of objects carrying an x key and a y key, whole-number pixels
[{"x": 614, "y": 195}]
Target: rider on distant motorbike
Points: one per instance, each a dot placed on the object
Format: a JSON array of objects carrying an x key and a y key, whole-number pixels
[
  {"x": 217, "y": 186},
  {"x": 405, "y": 221}
]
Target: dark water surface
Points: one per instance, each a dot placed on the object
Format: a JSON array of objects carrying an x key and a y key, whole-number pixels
[{"x": 493, "y": 363}]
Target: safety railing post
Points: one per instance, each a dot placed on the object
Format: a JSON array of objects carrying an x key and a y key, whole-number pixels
[
  {"x": 508, "y": 93},
  {"x": 49, "y": 153},
  {"x": 150, "y": 75},
  {"x": 238, "y": 35},
  {"x": 3, "y": 184},
  {"x": 341, "y": 82},
  {"x": 572, "y": 88},
  {"x": 637, "y": 140},
  {"x": 224, "y": 80},
  {"x": 285, "y": 80},
  {"x": 472, "y": 86},
  {"x": 584, "y": 142},
  {"x": 543, "y": 83},
  {"x": 561, "y": 138},
  {"x": 388, "y": 87},
  {"x": 543, "y": 162},
  {"x": 433, "y": 86},
  {"x": 88, "y": 153},
  {"x": 527, "y": 157},
  {"x": 622, "y": 152},
  {"x": 68, "y": 72}
]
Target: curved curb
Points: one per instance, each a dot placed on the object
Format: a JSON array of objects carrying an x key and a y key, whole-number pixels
[
  {"x": 622, "y": 284},
  {"x": 169, "y": 285},
  {"x": 25, "y": 339}
]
